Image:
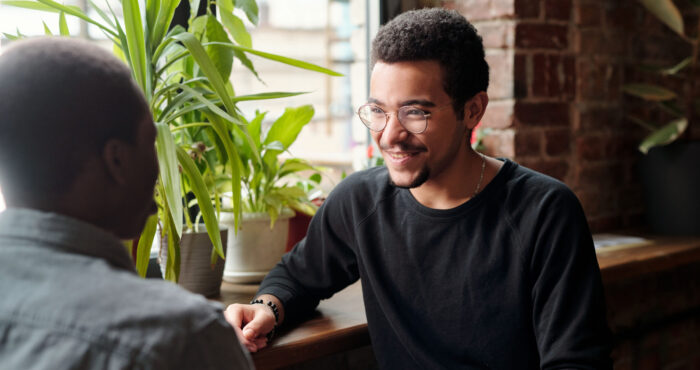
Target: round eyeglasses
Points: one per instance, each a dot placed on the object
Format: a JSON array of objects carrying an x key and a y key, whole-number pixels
[{"x": 413, "y": 119}]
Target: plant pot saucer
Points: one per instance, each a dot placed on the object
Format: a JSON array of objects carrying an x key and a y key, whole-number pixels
[{"x": 244, "y": 277}]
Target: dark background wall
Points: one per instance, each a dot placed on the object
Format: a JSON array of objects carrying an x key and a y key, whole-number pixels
[{"x": 556, "y": 99}]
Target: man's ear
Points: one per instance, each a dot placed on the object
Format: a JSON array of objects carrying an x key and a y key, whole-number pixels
[
  {"x": 475, "y": 108},
  {"x": 114, "y": 156}
]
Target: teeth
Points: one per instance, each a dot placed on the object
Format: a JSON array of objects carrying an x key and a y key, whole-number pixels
[{"x": 399, "y": 155}]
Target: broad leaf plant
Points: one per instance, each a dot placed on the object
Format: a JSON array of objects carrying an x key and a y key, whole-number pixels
[
  {"x": 202, "y": 134},
  {"x": 679, "y": 107}
]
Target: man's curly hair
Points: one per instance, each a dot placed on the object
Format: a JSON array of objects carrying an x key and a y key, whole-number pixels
[{"x": 441, "y": 35}]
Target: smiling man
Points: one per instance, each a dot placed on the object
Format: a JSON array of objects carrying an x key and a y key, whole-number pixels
[{"x": 465, "y": 261}]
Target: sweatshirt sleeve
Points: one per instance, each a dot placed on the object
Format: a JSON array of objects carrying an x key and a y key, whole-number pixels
[
  {"x": 322, "y": 264},
  {"x": 568, "y": 312}
]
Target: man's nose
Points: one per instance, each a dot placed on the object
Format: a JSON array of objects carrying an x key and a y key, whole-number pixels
[{"x": 394, "y": 132}]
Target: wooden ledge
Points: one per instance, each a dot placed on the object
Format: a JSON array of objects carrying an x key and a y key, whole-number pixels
[
  {"x": 660, "y": 255},
  {"x": 341, "y": 325}
]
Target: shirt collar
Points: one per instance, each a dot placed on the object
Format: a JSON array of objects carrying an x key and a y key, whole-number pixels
[{"x": 64, "y": 233}]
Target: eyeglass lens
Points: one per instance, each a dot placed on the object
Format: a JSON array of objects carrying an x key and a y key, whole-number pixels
[{"x": 412, "y": 119}]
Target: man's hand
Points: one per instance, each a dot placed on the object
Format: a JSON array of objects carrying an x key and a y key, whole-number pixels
[{"x": 252, "y": 322}]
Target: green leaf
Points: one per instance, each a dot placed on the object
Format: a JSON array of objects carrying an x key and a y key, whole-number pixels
[
  {"x": 234, "y": 162},
  {"x": 47, "y": 31},
  {"x": 63, "y": 25},
  {"x": 76, "y": 12},
  {"x": 166, "y": 11},
  {"x": 247, "y": 63},
  {"x": 169, "y": 173},
  {"x": 278, "y": 58},
  {"x": 250, "y": 8},
  {"x": 286, "y": 128},
  {"x": 649, "y": 92},
  {"x": 666, "y": 12},
  {"x": 207, "y": 66},
  {"x": 10, "y": 37},
  {"x": 207, "y": 28},
  {"x": 201, "y": 192},
  {"x": 101, "y": 13},
  {"x": 268, "y": 95},
  {"x": 33, "y": 5},
  {"x": 678, "y": 67},
  {"x": 237, "y": 29},
  {"x": 293, "y": 165},
  {"x": 143, "y": 251},
  {"x": 664, "y": 135},
  {"x": 133, "y": 28}
]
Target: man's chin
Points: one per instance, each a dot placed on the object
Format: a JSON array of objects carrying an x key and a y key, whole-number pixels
[{"x": 409, "y": 183}]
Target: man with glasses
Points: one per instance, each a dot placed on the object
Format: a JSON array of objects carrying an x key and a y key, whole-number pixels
[{"x": 465, "y": 261}]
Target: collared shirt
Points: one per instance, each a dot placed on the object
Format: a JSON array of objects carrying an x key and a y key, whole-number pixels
[{"x": 70, "y": 299}]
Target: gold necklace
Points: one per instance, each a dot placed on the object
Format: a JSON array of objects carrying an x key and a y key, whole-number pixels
[{"x": 481, "y": 177}]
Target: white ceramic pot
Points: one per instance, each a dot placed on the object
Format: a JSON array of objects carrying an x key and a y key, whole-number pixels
[{"x": 257, "y": 248}]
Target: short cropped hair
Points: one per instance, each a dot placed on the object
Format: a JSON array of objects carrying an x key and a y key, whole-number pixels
[
  {"x": 441, "y": 35},
  {"x": 61, "y": 100}
]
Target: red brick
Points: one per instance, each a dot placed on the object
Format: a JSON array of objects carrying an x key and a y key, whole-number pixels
[
  {"x": 475, "y": 10},
  {"x": 557, "y": 9},
  {"x": 499, "y": 143},
  {"x": 553, "y": 76},
  {"x": 520, "y": 76},
  {"x": 528, "y": 143},
  {"x": 595, "y": 119},
  {"x": 598, "y": 81},
  {"x": 527, "y": 8},
  {"x": 587, "y": 14},
  {"x": 542, "y": 114},
  {"x": 545, "y": 36},
  {"x": 499, "y": 114},
  {"x": 559, "y": 169},
  {"x": 558, "y": 142},
  {"x": 570, "y": 76},
  {"x": 590, "y": 148},
  {"x": 621, "y": 16},
  {"x": 601, "y": 175},
  {"x": 502, "y": 8},
  {"x": 497, "y": 35},
  {"x": 501, "y": 65}
]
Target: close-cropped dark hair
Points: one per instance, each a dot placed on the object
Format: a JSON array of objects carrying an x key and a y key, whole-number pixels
[
  {"x": 441, "y": 35},
  {"x": 60, "y": 101}
]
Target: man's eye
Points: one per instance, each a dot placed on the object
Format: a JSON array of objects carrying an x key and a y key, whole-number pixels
[
  {"x": 376, "y": 110},
  {"x": 414, "y": 112}
]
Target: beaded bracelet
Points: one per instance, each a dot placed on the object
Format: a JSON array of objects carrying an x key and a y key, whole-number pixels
[{"x": 275, "y": 311}]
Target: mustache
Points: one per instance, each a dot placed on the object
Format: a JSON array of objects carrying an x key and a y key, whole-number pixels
[{"x": 404, "y": 147}]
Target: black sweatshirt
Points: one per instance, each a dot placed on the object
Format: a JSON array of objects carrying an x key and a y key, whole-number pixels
[{"x": 507, "y": 280}]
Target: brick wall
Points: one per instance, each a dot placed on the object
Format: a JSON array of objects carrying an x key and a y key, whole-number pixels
[{"x": 556, "y": 100}]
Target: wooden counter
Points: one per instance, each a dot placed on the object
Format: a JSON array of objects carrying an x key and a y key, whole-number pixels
[{"x": 341, "y": 324}]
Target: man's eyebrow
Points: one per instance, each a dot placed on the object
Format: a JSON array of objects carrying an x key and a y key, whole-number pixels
[{"x": 423, "y": 102}]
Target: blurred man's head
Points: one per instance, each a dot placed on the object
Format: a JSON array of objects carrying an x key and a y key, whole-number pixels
[{"x": 77, "y": 135}]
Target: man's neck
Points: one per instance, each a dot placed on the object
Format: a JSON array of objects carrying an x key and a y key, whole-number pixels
[{"x": 457, "y": 184}]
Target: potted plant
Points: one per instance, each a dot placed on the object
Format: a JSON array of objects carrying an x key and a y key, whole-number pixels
[
  {"x": 270, "y": 194},
  {"x": 184, "y": 74},
  {"x": 668, "y": 166}
]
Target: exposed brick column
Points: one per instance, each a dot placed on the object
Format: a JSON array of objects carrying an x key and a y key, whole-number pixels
[{"x": 557, "y": 67}]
